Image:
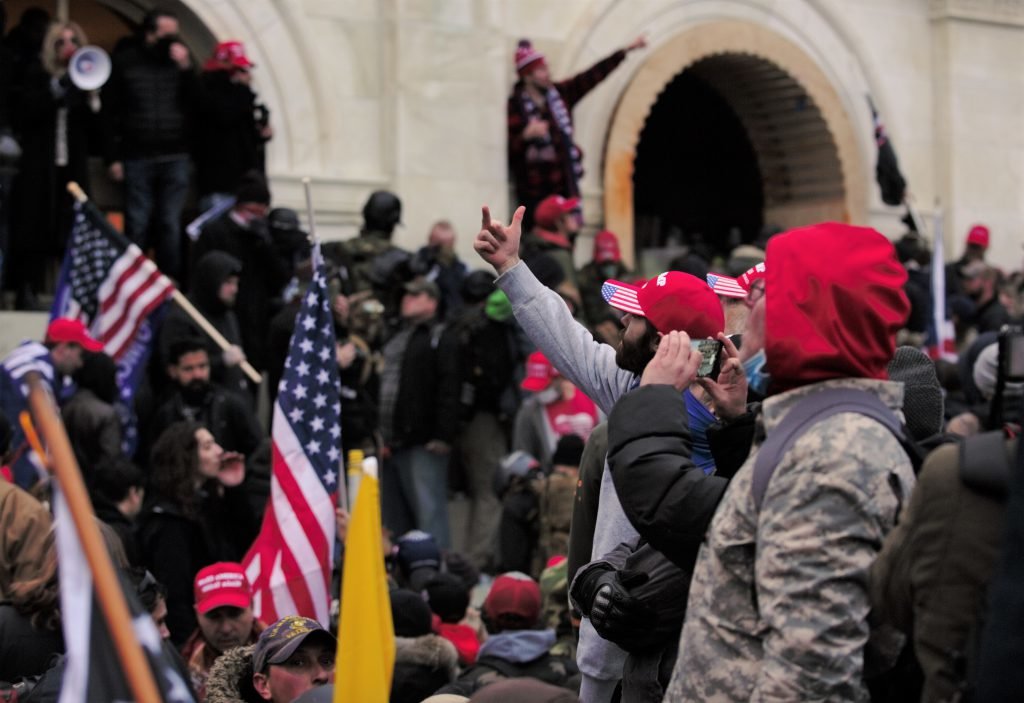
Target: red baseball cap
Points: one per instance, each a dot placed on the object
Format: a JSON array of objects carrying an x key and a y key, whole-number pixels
[
  {"x": 220, "y": 584},
  {"x": 725, "y": 286},
  {"x": 65, "y": 329},
  {"x": 606, "y": 247},
  {"x": 539, "y": 373},
  {"x": 671, "y": 301},
  {"x": 551, "y": 209},
  {"x": 513, "y": 601},
  {"x": 750, "y": 275},
  {"x": 978, "y": 235}
]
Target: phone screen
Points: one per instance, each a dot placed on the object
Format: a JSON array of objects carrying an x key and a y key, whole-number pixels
[{"x": 709, "y": 349}]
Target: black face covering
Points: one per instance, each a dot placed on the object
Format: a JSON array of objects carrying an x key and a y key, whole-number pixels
[
  {"x": 162, "y": 47},
  {"x": 194, "y": 392}
]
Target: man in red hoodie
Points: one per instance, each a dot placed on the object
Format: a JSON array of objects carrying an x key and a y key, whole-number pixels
[{"x": 778, "y": 603}]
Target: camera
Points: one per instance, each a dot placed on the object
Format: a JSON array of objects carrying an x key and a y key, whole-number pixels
[{"x": 710, "y": 351}]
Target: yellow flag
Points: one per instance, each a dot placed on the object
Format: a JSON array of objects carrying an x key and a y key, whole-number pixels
[{"x": 366, "y": 637}]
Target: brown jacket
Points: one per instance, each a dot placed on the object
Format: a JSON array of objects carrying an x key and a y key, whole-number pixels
[
  {"x": 930, "y": 578},
  {"x": 24, "y": 536}
]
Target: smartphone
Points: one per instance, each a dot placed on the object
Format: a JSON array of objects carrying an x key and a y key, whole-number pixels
[{"x": 710, "y": 351}]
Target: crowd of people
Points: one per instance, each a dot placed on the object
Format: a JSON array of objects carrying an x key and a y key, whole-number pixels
[{"x": 814, "y": 510}]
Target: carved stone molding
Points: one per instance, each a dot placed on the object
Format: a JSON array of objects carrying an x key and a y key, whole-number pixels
[{"x": 1005, "y": 12}]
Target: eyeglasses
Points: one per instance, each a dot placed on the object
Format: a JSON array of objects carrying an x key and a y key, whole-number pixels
[{"x": 755, "y": 293}]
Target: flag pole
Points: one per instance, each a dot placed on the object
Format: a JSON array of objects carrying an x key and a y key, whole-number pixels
[
  {"x": 108, "y": 588},
  {"x": 184, "y": 303}
]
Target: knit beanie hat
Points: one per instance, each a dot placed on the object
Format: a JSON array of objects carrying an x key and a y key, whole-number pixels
[
  {"x": 923, "y": 405},
  {"x": 528, "y": 58},
  {"x": 568, "y": 451},
  {"x": 410, "y": 614}
]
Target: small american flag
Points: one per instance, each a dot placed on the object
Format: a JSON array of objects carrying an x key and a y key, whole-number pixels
[
  {"x": 621, "y": 296},
  {"x": 726, "y": 286},
  {"x": 289, "y": 564},
  {"x": 108, "y": 283}
]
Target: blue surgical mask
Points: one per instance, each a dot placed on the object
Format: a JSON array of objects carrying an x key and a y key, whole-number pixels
[{"x": 757, "y": 377}]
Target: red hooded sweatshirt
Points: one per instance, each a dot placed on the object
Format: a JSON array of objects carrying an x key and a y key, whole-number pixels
[{"x": 834, "y": 302}]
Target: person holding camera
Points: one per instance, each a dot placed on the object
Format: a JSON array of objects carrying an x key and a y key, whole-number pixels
[{"x": 149, "y": 103}]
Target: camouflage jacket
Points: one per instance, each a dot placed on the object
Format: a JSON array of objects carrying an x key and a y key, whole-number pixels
[{"x": 778, "y": 605}]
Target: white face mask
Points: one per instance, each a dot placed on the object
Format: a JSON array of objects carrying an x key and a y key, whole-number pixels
[{"x": 549, "y": 395}]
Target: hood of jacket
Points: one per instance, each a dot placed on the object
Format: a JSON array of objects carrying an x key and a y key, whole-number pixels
[
  {"x": 431, "y": 651},
  {"x": 834, "y": 302},
  {"x": 230, "y": 679},
  {"x": 212, "y": 269},
  {"x": 518, "y": 646}
]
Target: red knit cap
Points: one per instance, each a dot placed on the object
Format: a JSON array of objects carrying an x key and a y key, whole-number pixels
[{"x": 528, "y": 58}]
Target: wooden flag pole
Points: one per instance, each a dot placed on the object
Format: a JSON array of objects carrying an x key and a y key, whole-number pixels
[
  {"x": 108, "y": 588},
  {"x": 190, "y": 309}
]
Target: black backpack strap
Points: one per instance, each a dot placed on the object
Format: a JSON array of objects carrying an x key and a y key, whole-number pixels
[
  {"x": 985, "y": 463},
  {"x": 809, "y": 411}
]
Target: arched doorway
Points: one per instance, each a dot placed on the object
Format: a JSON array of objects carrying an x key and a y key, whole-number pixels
[{"x": 727, "y": 128}]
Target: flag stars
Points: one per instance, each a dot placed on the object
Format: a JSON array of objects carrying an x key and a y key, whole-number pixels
[
  {"x": 330, "y": 477},
  {"x": 324, "y": 354},
  {"x": 323, "y": 377},
  {"x": 300, "y": 392},
  {"x": 335, "y": 431},
  {"x": 306, "y": 345},
  {"x": 313, "y": 447},
  {"x": 319, "y": 400},
  {"x": 333, "y": 454},
  {"x": 302, "y": 369},
  {"x": 295, "y": 415},
  {"x": 317, "y": 424},
  {"x": 308, "y": 322}
]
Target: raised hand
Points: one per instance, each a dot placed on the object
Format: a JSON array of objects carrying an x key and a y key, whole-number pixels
[
  {"x": 675, "y": 363},
  {"x": 498, "y": 244},
  {"x": 729, "y": 391}
]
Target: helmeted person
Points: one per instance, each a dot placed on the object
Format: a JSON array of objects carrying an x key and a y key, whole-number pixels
[
  {"x": 223, "y": 604},
  {"x": 778, "y": 605}
]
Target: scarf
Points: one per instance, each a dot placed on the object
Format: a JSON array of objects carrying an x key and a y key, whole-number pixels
[{"x": 563, "y": 121}]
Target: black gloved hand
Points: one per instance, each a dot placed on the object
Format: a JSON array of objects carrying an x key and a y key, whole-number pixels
[
  {"x": 586, "y": 585},
  {"x": 620, "y": 617}
]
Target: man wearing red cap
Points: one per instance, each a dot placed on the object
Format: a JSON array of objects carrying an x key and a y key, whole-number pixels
[
  {"x": 668, "y": 302},
  {"x": 229, "y": 137},
  {"x": 542, "y": 155},
  {"x": 54, "y": 360},
  {"x": 223, "y": 602},
  {"x": 555, "y": 225},
  {"x": 605, "y": 263}
]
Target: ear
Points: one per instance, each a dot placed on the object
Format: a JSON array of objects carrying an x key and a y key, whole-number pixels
[{"x": 261, "y": 683}]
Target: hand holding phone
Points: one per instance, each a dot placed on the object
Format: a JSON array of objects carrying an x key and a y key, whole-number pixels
[{"x": 675, "y": 363}]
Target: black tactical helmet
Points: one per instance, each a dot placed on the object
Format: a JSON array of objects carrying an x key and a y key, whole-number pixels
[{"x": 383, "y": 210}]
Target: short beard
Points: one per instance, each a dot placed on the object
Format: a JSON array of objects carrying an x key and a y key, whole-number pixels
[{"x": 634, "y": 357}]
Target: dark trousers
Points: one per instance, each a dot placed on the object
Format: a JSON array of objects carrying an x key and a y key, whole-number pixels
[{"x": 155, "y": 191}]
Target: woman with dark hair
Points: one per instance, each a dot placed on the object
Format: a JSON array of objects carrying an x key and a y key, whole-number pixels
[{"x": 196, "y": 514}]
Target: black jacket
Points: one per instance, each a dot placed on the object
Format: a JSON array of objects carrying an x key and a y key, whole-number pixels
[
  {"x": 264, "y": 274},
  {"x": 668, "y": 499},
  {"x": 426, "y": 407},
  {"x": 175, "y": 546},
  {"x": 227, "y": 143},
  {"x": 149, "y": 103},
  {"x": 229, "y": 419}
]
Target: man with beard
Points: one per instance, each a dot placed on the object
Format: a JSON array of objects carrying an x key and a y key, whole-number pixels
[
  {"x": 149, "y": 101},
  {"x": 231, "y": 421},
  {"x": 672, "y": 301}
]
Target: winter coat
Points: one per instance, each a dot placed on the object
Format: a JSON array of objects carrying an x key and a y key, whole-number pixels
[
  {"x": 584, "y": 508},
  {"x": 264, "y": 274},
  {"x": 106, "y": 510},
  {"x": 422, "y": 665},
  {"x": 210, "y": 272},
  {"x": 230, "y": 679},
  {"x": 513, "y": 654},
  {"x": 931, "y": 576},
  {"x": 535, "y": 179},
  {"x": 175, "y": 546},
  {"x": 778, "y": 606},
  {"x": 199, "y": 656},
  {"x": 25, "y": 536},
  {"x": 25, "y": 650},
  {"x": 229, "y": 419},
  {"x": 94, "y": 429},
  {"x": 227, "y": 140},
  {"x": 149, "y": 103}
]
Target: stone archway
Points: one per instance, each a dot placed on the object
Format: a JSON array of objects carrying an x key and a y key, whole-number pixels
[{"x": 810, "y": 164}]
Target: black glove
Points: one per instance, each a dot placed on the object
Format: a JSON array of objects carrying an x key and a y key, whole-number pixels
[{"x": 603, "y": 596}]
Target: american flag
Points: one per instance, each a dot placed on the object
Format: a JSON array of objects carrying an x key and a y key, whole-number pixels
[
  {"x": 726, "y": 286},
  {"x": 940, "y": 341},
  {"x": 119, "y": 295},
  {"x": 108, "y": 283},
  {"x": 621, "y": 296},
  {"x": 289, "y": 564}
]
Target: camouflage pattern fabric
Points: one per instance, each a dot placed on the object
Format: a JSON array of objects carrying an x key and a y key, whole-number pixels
[{"x": 779, "y": 602}]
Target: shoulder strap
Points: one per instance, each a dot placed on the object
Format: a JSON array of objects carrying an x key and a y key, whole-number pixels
[
  {"x": 985, "y": 462},
  {"x": 809, "y": 411}
]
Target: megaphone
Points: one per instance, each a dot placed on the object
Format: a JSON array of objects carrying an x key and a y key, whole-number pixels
[{"x": 89, "y": 67}]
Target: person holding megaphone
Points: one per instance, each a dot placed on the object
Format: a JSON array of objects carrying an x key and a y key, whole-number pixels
[{"x": 52, "y": 122}]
